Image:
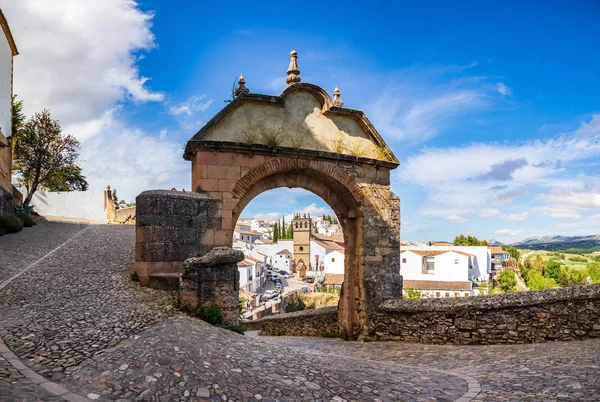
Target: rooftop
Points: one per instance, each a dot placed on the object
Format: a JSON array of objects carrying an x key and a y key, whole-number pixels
[{"x": 437, "y": 285}]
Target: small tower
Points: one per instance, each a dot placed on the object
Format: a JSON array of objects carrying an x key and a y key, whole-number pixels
[{"x": 302, "y": 232}]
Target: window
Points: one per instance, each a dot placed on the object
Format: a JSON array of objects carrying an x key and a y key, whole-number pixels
[
  {"x": 296, "y": 225},
  {"x": 404, "y": 261},
  {"x": 428, "y": 266},
  {"x": 332, "y": 259},
  {"x": 447, "y": 294},
  {"x": 456, "y": 261},
  {"x": 437, "y": 294},
  {"x": 456, "y": 294},
  {"x": 301, "y": 248},
  {"x": 305, "y": 225},
  {"x": 466, "y": 294}
]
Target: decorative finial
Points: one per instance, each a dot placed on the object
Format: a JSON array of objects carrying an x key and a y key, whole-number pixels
[
  {"x": 337, "y": 101},
  {"x": 293, "y": 71},
  {"x": 241, "y": 88}
]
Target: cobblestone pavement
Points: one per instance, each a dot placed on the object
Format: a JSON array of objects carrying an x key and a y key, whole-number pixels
[
  {"x": 75, "y": 318},
  {"x": 545, "y": 371},
  {"x": 18, "y": 250}
]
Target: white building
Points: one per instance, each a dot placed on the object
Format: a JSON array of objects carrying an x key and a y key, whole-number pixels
[
  {"x": 245, "y": 270},
  {"x": 327, "y": 256},
  {"x": 283, "y": 260},
  {"x": 247, "y": 235},
  {"x": 498, "y": 257},
  {"x": 445, "y": 272}
]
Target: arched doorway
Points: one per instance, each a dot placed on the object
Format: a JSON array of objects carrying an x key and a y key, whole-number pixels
[{"x": 302, "y": 138}]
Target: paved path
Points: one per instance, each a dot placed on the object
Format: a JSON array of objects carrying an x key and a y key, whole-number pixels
[{"x": 73, "y": 317}]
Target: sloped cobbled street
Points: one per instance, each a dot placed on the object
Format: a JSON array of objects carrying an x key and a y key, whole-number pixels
[{"x": 74, "y": 317}]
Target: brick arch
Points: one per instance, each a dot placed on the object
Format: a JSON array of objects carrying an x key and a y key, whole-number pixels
[{"x": 323, "y": 171}]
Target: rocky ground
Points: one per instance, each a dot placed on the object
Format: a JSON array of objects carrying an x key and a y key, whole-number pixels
[{"x": 75, "y": 318}]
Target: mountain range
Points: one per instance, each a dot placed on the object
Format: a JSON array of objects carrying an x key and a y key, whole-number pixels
[{"x": 587, "y": 243}]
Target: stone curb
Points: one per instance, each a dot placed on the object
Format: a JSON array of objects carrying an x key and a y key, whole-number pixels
[{"x": 17, "y": 363}]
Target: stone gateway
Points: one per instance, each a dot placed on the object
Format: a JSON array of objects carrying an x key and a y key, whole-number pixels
[{"x": 300, "y": 138}]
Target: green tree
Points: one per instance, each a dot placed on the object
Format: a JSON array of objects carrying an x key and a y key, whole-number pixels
[
  {"x": 42, "y": 152},
  {"x": 538, "y": 265},
  {"x": 411, "y": 294},
  {"x": 289, "y": 232},
  {"x": 282, "y": 230},
  {"x": 553, "y": 270},
  {"x": 315, "y": 229},
  {"x": 572, "y": 276},
  {"x": 514, "y": 253},
  {"x": 535, "y": 281},
  {"x": 18, "y": 118},
  {"x": 594, "y": 271},
  {"x": 67, "y": 179},
  {"x": 275, "y": 232},
  {"x": 469, "y": 241},
  {"x": 507, "y": 281}
]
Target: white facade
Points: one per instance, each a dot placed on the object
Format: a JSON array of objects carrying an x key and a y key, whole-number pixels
[
  {"x": 271, "y": 249},
  {"x": 283, "y": 261},
  {"x": 245, "y": 271},
  {"x": 481, "y": 265},
  {"x": 6, "y": 68},
  {"x": 449, "y": 266},
  {"x": 326, "y": 259},
  {"x": 80, "y": 205},
  {"x": 334, "y": 262}
]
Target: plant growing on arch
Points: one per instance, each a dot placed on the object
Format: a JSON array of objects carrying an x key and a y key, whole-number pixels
[{"x": 45, "y": 158}]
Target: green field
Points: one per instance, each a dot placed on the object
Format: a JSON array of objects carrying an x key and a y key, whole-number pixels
[{"x": 551, "y": 255}]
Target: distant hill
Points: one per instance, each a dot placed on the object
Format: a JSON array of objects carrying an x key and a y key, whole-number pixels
[
  {"x": 581, "y": 244},
  {"x": 494, "y": 242}
]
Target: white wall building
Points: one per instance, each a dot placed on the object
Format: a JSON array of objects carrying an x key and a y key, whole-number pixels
[
  {"x": 327, "y": 257},
  {"x": 283, "y": 260},
  {"x": 445, "y": 272}
]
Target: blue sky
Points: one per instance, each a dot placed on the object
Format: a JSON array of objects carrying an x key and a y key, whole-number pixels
[{"x": 492, "y": 109}]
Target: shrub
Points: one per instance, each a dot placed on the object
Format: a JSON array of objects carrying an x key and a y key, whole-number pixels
[
  {"x": 24, "y": 209},
  {"x": 134, "y": 277},
  {"x": 410, "y": 294},
  {"x": 507, "y": 281},
  {"x": 272, "y": 136},
  {"x": 594, "y": 271},
  {"x": 27, "y": 220},
  {"x": 535, "y": 281},
  {"x": 295, "y": 305},
  {"x": 210, "y": 314},
  {"x": 10, "y": 224},
  {"x": 237, "y": 328},
  {"x": 572, "y": 276}
]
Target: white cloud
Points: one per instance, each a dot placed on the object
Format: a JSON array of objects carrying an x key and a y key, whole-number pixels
[
  {"x": 509, "y": 232},
  {"x": 190, "y": 106},
  {"x": 514, "y": 217},
  {"x": 419, "y": 103},
  {"x": 488, "y": 212},
  {"x": 134, "y": 163},
  {"x": 163, "y": 134},
  {"x": 459, "y": 179},
  {"x": 78, "y": 59},
  {"x": 268, "y": 216},
  {"x": 455, "y": 219},
  {"x": 503, "y": 89}
]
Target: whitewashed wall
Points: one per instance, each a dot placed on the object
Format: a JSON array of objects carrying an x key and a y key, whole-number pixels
[
  {"x": 446, "y": 268},
  {"x": 88, "y": 205}
]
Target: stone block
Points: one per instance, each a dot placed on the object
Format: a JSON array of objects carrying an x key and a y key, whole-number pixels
[
  {"x": 226, "y": 185},
  {"x": 223, "y": 172},
  {"x": 207, "y": 184},
  {"x": 164, "y": 282}
]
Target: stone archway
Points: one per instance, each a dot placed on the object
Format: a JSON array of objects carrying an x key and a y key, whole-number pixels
[{"x": 303, "y": 138}]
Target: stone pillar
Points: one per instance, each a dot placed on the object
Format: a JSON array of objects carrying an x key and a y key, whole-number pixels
[{"x": 214, "y": 280}]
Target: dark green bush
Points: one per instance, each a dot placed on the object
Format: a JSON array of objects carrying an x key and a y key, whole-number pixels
[
  {"x": 10, "y": 224},
  {"x": 236, "y": 328},
  {"x": 24, "y": 209},
  {"x": 210, "y": 314},
  {"x": 134, "y": 277},
  {"x": 27, "y": 220}
]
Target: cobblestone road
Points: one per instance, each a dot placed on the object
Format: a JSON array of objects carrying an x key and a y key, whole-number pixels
[{"x": 76, "y": 319}]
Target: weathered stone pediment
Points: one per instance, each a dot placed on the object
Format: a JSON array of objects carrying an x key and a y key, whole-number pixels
[{"x": 302, "y": 117}]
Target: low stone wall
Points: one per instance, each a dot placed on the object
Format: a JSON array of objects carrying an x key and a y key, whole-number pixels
[
  {"x": 7, "y": 205},
  {"x": 170, "y": 226},
  {"x": 124, "y": 215},
  {"x": 565, "y": 314},
  {"x": 318, "y": 322}
]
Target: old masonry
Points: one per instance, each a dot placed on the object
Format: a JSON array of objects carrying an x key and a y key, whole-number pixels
[{"x": 299, "y": 138}]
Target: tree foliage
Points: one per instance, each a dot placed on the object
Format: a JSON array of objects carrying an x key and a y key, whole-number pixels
[
  {"x": 468, "y": 241},
  {"x": 44, "y": 157},
  {"x": 507, "y": 281},
  {"x": 514, "y": 253},
  {"x": 535, "y": 281}
]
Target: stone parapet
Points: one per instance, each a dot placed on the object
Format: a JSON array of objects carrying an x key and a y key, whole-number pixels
[
  {"x": 318, "y": 322},
  {"x": 172, "y": 226},
  {"x": 570, "y": 313}
]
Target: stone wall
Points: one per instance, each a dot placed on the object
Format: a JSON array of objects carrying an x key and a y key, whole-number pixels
[
  {"x": 116, "y": 214},
  {"x": 171, "y": 227},
  {"x": 536, "y": 316},
  {"x": 565, "y": 314},
  {"x": 6, "y": 202},
  {"x": 317, "y": 322}
]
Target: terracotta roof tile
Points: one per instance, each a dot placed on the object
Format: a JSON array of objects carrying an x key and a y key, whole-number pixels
[
  {"x": 426, "y": 253},
  {"x": 284, "y": 251},
  {"x": 333, "y": 279}
]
